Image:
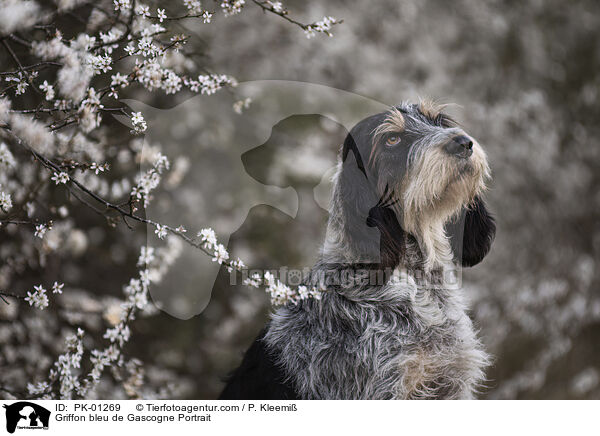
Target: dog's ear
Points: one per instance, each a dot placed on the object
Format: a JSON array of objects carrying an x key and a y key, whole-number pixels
[
  {"x": 479, "y": 233},
  {"x": 353, "y": 198}
]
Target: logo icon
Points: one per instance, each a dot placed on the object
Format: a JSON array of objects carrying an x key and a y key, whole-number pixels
[{"x": 26, "y": 415}]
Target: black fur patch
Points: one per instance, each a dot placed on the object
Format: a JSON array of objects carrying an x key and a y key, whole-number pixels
[
  {"x": 480, "y": 230},
  {"x": 258, "y": 377},
  {"x": 391, "y": 241}
]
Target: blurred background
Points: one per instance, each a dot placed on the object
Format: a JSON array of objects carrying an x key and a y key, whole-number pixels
[{"x": 524, "y": 78}]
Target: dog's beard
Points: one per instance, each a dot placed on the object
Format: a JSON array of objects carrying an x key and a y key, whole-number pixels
[{"x": 435, "y": 189}]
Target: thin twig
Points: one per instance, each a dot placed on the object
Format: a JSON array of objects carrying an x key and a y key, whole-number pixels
[
  {"x": 39, "y": 65},
  {"x": 8, "y": 294},
  {"x": 4, "y": 222},
  {"x": 282, "y": 14}
]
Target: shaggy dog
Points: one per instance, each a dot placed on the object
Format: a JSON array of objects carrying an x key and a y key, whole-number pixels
[{"x": 392, "y": 322}]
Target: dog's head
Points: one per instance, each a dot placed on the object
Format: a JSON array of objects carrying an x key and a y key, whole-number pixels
[{"x": 411, "y": 171}]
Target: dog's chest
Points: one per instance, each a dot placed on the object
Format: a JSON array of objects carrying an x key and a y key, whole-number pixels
[
  {"x": 427, "y": 349},
  {"x": 433, "y": 354}
]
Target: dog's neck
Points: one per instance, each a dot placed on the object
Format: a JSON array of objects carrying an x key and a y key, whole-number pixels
[
  {"x": 423, "y": 252},
  {"x": 434, "y": 246}
]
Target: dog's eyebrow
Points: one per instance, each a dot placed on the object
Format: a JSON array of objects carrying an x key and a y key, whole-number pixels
[
  {"x": 430, "y": 108},
  {"x": 393, "y": 123}
]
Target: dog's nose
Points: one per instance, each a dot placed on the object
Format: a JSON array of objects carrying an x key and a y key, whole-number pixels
[{"x": 460, "y": 146}]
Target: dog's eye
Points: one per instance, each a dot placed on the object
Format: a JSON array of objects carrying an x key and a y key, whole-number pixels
[{"x": 392, "y": 140}]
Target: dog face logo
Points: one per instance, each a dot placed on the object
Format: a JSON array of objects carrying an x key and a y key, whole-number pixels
[{"x": 26, "y": 415}]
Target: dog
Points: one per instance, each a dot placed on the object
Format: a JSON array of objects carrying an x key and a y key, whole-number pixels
[{"x": 406, "y": 212}]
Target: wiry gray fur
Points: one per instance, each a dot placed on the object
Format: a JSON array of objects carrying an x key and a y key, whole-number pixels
[{"x": 409, "y": 337}]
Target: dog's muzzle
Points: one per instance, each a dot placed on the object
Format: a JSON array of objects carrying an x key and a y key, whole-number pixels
[{"x": 460, "y": 146}]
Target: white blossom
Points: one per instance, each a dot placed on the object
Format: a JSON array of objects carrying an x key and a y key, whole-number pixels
[
  {"x": 171, "y": 82},
  {"x": 119, "y": 334},
  {"x": 52, "y": 49},
  {"x": 232, "y": 7},
  {"x": 100, "y": 63},
  {"x": 57, "y": 288},
  {"x": 208, "y": 237},
  {"x": 160, "y": 231},
  {"x": 38, "y": 388},
  {"x": 240, "y": 105},
  {"x": 146, "y": 255},
  {"x": 133, "y": 287},
  {"x": 66, "y": 364},
  {"x": 48, "y": 89},
  {"x": 98, "y": 168},
  {"x": 83, "y": 43},
  {"x": 194, "y": 6},
  {"x": 29, "y": 209},
  {"x": 322, "y": 26},
  {"x": 316, "y": 293},
  {"x": 161, "y": 15},
  {"x": 6, "y": 157},
  {"x": 280, "y": 292},
  {"x": 5, "y": 105},
  {"x": 139, "y": 124},
  {"x": 5, "y": 202},
  {"x": 268, "y": 278},
  {"x": 112, "y": 35},
  {"x": 142, "y": 10},
  {"x": 150, "y": 179},
  {"x": 118, "y": 79},
  {"x": 130, "y": 49},
  {"x": 146, "y": 183},
  {"x": 303, "y": 292},
  {"x": 41, "y": 229},
  {"x": 38, "y": 297},
  {"x": 89, "y": 115},
  {"x": 145, "y": 278},
  {"x": 18, "y": 15},
  {"x": 161, "y": 163},
  {"x": 209, "y": 83},
  {"x": 61, "y": 177},
  {"x": 21, "y": 87},
  {"x": 140, "y": 300},
  {"x": 238, "y": 264},
  {"x": 276, "y": 6},
  {"x": 206, "y": 17},
  {"x": 34, "y": 133},
  {"x": 253, "y": 281},
  {"x": 73, "y": 80},
  {"x": 220, "y": 254},
  {"x": 122, "y": 5},
  {"x": 21, "y": 81},
  {"x": 74, "y": 77},
  {"x": 152, "y": 76}
]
